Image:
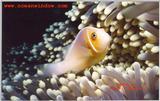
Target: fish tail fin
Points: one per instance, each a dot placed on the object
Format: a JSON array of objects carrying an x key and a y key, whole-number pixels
[{"x": 51, "y": 69}]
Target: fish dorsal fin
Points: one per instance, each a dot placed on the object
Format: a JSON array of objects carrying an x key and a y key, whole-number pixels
[{"x": 65, "y": 50}]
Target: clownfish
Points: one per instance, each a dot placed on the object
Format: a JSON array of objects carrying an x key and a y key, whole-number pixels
[{"x": 89, "y": 47}]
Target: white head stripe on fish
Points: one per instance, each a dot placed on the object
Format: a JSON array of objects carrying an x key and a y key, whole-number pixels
[{"x": 90, "y": 43}]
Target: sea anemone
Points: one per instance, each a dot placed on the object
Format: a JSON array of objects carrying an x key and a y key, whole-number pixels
[{"x": 129, "y": 70}]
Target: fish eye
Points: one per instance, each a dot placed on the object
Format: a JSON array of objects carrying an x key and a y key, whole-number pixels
[{"x": 93, "y": 35}]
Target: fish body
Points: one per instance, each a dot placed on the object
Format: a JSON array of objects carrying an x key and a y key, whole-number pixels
[{"x": 89, "y": 47}]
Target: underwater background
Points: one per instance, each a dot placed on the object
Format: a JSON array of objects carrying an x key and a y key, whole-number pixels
[{"x": 130, "y": 70}]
